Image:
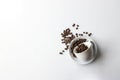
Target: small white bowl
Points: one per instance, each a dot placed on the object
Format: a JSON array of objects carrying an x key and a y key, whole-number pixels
[{"x": 86, "y": 56}]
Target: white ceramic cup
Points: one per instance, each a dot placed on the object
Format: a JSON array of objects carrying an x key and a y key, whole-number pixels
[{"x": 85, "y": 55}]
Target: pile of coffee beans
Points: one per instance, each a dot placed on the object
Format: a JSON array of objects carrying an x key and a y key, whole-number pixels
[
  {"x": 67, "y": 36},
  {"x": 81, "y": 48}
]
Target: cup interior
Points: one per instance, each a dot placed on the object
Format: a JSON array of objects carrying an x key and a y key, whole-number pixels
[{"x": 88, "y": 44}]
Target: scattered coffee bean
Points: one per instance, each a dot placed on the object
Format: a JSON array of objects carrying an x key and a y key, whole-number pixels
[
  {"x": 90, "y": 34},
  {"x": 62, "y": 39},
  {"x": 77, "y": 28},
  {"x": 77, "y": 25},
  {"x": 76, "y": 34},
  {"x": 67, "y": 47},
  {"x": 73, "y": 25},
  {"x": 60, "y": 53},
  {"x": 80, "y": 34},
  {"x": 63, "y": 51},
  {"x": 86, "y": 32},
  {"x": 83, "y": 32},
  {"x": 63, "y": 42}
]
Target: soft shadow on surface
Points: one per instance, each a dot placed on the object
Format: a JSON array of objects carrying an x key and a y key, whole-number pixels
[{"x": 98, "y": 53}]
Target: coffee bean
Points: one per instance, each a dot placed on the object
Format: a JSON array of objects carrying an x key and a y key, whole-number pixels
[
  {"x": 86, "y": 32},
  {"x": 90, "y": 34},
  {"x": 63, "y": 51},
  {"x": 76, "y": 34},
  {"x": 62, "y": 39},
  {"x": 80, "y": 34},
  {"x": 60, "y": 53},
  {"x": 73, "y": 25},
  {"x": 67, "y": 46},
  {"x": 83, "y": 32},
  {"x": 77, "y": 28},
  {"x": 77, "y": 25},
  {"x": 63, "y": 42}
]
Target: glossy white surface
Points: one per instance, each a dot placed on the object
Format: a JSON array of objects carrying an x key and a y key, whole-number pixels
[{"x": 30, "y": 39}]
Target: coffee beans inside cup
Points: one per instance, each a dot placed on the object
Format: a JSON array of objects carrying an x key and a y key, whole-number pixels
[{"x": 81, "y": 48}]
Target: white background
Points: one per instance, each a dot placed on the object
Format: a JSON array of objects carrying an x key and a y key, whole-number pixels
[{"x": 30, "y": 39}]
